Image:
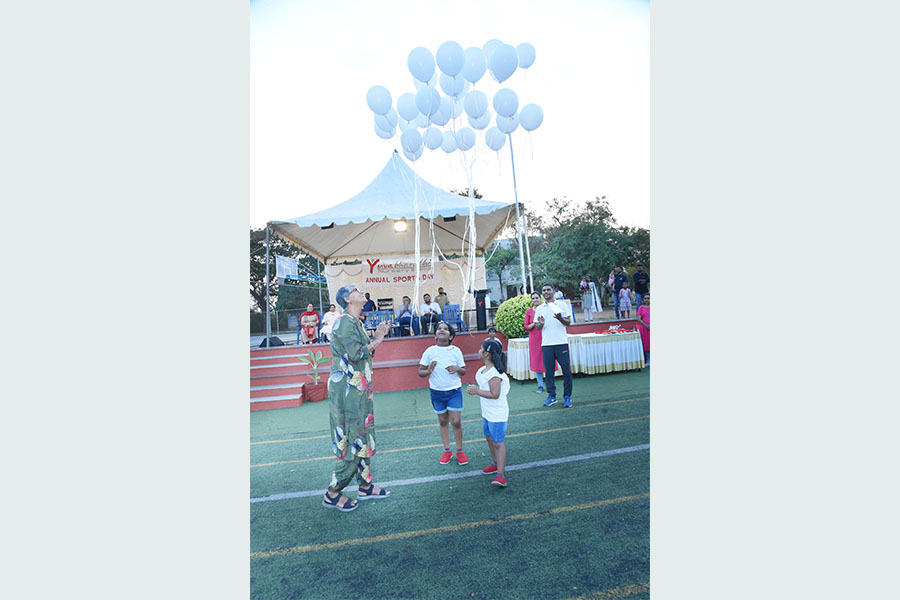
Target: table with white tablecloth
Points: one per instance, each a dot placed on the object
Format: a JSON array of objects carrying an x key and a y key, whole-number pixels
[{"x": 589, "y": 353}]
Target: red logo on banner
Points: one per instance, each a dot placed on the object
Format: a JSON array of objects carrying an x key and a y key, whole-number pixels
[{"x": 372, "y": 265}]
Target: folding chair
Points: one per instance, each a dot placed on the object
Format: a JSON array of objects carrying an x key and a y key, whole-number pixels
[{"x": 453, "y": 315}]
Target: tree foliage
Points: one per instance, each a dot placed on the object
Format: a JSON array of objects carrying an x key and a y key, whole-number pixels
[
  {"x": 584, "y": 240},
  {"x": 281, "y": 297},
  {"x": 503, "y": 260}
]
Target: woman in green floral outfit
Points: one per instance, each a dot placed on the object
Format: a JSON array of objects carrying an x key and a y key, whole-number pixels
[{"x": 350, "y": 398}]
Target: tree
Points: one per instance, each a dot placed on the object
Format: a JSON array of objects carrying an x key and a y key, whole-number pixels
[
  {"x": 637, "y": 248},
  {"x": 580, "y": 241},
  {"x": 475, "y": 193},
  {"x": 500, "y": 260},
  {"x": 281, "y": 297}
]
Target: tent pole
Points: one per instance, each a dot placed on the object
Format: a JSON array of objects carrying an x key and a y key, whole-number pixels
[
  {"x": 528, "y": 251},
  {"x": 268, "y": 323},
  {"x": 518, "y": 222},
  {"x": 319, "y": 284}
]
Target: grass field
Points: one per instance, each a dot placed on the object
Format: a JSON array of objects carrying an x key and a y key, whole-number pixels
[{"x": 573, "y": 522}]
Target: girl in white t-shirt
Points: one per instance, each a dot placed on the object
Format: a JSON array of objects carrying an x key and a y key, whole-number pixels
[
  {"x": 493, "y": 386},
  {"x": 443, "y": 364}
]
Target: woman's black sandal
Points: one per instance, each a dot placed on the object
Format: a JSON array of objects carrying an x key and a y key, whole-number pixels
[
  {"x": 333, "y": 503},
  {"x": 366, "y": 493}
]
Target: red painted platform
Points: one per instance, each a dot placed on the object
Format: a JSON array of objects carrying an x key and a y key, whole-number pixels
[{"x": 276, "y": 374}]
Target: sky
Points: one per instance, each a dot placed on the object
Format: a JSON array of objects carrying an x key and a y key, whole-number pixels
[{"x": 312, "y": 142}]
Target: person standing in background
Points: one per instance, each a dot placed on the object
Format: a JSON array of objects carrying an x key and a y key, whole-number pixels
[
  {"x": 368, "y": 307},
  {"x": 552, "y": 319},
  {"x": 619, "y": 278},
  {"x": 643, "y": 318},
  {"x": 535, "y": 358},
  {"x": 442, "y": 299},
  {"x": 641, "y": 285}
]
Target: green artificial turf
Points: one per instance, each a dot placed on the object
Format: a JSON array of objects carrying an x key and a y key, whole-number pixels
[{"x": 559, "y": 531}]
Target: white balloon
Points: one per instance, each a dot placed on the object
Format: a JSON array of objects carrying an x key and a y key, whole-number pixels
[
  {"x": 507, "y": 124},
  {"x": 531, "y": 117},
  {"x": 406, "y": 106},
  {"x": 379, "y": 99},
  {"x": 456, "y": 107},
  {"x": 465, "y": 138},
  {"x": 385, "y": 135},
  {"x": 526, "y": 55},
  {"x": 443, "y": 113},
  {"x": 506, "y": 102},
  {"x": 453, "y": 86},
  {"x": 482, "y": 121},
  {"x": 411, "y": 140},
  {"x": 475, "y": 64},
  {"x": 414, "y": 156},
  {"x": 431, "y": 82},
  {"x": 432, "y": 138},
  {"x": 494, "y": 138},
  {"x": 421, "y": 63},
  {"x": 475, "y": 103},
  {"x": 428, "y": 100},
  {"x": 450, "y": 58},
  {"x": 448, "y": 144},
  {"x": 503, "y": 62},
  {"x": 387, "y": 121},
  {"x": 489, "y": 47}
]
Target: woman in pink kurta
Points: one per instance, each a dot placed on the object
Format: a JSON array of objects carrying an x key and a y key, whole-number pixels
[
  {"x": 643, "y": 317},
  {"x": 535, "y": 358}
]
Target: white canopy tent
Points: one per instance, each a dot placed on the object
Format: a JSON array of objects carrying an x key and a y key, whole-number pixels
[
  {"x": 350, "y": 237},
  {"x": 364, "y": 224}
]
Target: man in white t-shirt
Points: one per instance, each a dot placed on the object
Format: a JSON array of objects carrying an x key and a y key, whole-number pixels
[
  {"x": 431, "y": 314},
  {"x": 552, "y": 319}
]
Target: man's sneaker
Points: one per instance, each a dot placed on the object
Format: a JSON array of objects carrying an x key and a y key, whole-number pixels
[
  {"x": 567, "y": 402},
  {"x": 540, "y": 390},
  {"x": 461, "y": 457},
  {"x": 490, "y": 469},
  {"x": 550, "y": 401},
  {"x": 445, "y": 457},
  {"x": 501, "y": 481}
]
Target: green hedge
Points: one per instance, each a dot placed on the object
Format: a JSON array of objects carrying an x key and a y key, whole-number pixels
[{"x": 510, "y": 317}]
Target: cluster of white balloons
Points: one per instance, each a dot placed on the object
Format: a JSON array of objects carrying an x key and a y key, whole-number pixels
[{"x": 428, "y": 110}]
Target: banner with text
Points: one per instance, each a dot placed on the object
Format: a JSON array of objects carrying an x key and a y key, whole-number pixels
[{"x": 398, "y": 270}]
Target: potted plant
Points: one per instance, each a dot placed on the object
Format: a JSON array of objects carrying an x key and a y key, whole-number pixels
[{"x": 315, "y": 391}]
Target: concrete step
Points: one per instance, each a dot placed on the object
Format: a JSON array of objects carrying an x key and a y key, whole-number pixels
[
  {"x": 274, "y": 398},
  {"x": 296, "y": 390}
]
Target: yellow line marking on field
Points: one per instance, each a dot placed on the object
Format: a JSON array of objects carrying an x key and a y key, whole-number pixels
[
  {"x": 445, "y": 529},
  {"x": 408, "y": 427},
  {"x": 475, "y": 441},
  {"x": 625, "y": 591}
]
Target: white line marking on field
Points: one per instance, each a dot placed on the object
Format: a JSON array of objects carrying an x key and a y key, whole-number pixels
[{"x": 433, "y": 478}]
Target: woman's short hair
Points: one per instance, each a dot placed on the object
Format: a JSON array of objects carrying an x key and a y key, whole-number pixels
[{"x": 341, "y": 296}]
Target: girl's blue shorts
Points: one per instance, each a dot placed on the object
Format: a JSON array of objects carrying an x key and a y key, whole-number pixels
[
  {"x": 444, "y": 400},
  {"x": 497, "y": 430}
]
